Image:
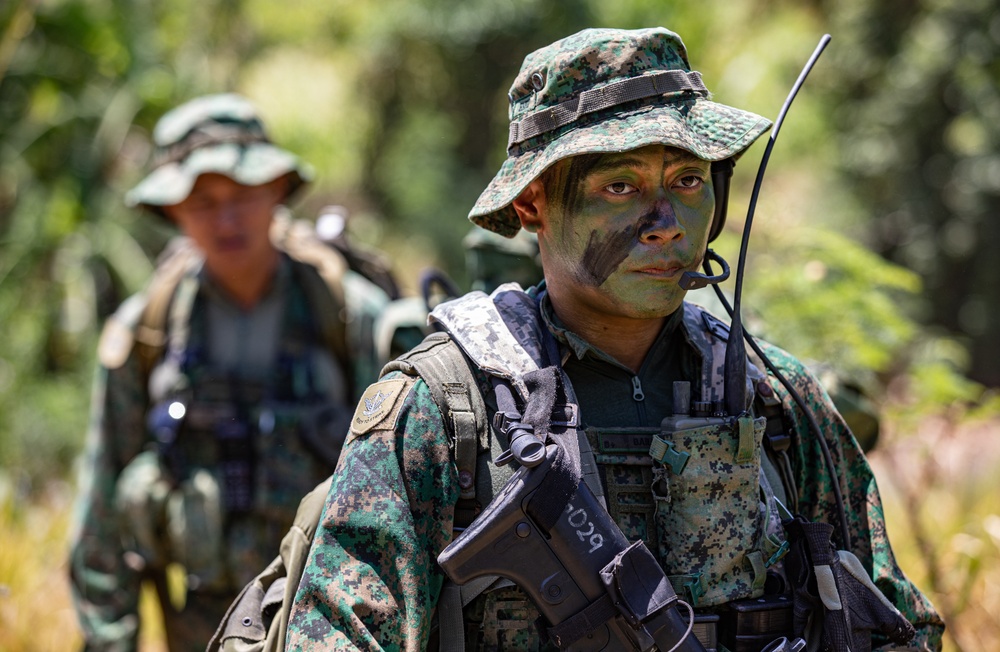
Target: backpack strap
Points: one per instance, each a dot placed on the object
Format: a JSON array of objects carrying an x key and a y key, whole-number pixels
[
  {"x": 179, "y": 259},
  {"x": 320, "y": 269},
  {"x": 455, "y": 390}
]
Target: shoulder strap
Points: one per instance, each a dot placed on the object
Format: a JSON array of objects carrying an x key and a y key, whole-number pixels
[
  {"x": 455, "y": 390},
  {"x": 180, "y": 259},
  {"x": 441, "y": 364},
  {"x": 320, "y": 270},
  {"x": 298, "y": 239}
]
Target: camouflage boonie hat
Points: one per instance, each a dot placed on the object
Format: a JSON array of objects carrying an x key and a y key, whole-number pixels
[
  {"x": 607, "y": 90},
  {"x": 215, "y": 133}
]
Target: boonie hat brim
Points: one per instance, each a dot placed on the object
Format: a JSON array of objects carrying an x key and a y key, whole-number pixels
[
  {"x": 250, "y": 164},
  {"x": 709, "y": 130}
]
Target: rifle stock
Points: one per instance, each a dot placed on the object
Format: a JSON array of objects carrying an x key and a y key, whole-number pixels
[{"x": 596, "y": 590}]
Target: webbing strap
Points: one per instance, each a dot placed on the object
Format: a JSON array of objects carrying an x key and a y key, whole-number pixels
[
  {"x": 180, "y": 316},
  {"x": 453, "y": 387},
  {"x": 584, "y": 622},
  {"x": 463, "y": 424},
  {"x": 179, "y": 260},
  {"x": 451, "y": 622},
  {"x": 597, "y": 99},
  {"x": 756, "y": 560},
  {"x": 320, "y": 271}
]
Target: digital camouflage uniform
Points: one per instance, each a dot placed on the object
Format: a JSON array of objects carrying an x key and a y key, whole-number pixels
[
  {"x": 372, "y": 580},
  {"x": 251, "y": 382}
]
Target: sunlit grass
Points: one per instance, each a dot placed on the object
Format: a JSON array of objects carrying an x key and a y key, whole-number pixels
[
  {"x": 939, "y": 486},
  {"x": 35, "y": 608},
  {"x": 36, "y": 613}
]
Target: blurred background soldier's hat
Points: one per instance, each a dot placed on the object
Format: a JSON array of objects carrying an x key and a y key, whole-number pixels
[{"x": 220, "y": 134}]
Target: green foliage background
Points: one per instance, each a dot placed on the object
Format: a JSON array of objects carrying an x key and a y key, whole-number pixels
[
  {"x": 873, "y": 239},
  {"x": 400, "y": 106}
]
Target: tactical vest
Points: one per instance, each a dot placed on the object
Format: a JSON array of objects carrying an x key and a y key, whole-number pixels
[
  {"x": 714, "y": 525},
  {"x": 489, "y": 613},
  {"x": 230, "y": 458}
]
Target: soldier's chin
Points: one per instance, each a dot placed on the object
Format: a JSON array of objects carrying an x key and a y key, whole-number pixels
[{"x": 650, "y": 309}]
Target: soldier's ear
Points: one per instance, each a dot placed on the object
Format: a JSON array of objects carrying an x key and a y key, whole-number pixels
[{"x": 530, "y": 207}]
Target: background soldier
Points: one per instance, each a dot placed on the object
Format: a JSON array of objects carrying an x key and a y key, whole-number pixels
[
  {"x": 617, "y": 162},
  {"x": 224, "y": 389}
]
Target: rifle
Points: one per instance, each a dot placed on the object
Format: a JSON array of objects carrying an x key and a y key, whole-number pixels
[{"x": 596, "y": 590}]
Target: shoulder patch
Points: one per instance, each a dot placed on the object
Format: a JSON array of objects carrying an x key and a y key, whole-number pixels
[{"x": 376, "y": 404}]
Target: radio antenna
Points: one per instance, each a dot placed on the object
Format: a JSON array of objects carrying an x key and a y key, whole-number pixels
[{"x": 735, "y": 365}]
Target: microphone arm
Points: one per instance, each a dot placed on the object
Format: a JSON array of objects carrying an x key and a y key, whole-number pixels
[{"x": 696, "y": 280}]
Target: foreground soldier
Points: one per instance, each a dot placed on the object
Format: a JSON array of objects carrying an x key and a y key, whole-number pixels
[
  {"x": 224, "y": 388},
  {"x": 610, "y": 164}
]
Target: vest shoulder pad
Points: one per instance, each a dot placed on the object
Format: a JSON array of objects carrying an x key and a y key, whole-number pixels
[
  {"x": 118, "y": 335},
  {"x": 298, "y": 239}
]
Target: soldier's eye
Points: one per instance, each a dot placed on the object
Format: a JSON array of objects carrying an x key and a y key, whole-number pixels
[
  {"x": 620, "y": 188},
  {"x": 690, "y": 181}
]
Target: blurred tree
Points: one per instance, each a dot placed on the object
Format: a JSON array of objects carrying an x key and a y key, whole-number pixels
[
  {"x": 919, "y": 116},
  {"x": 76, "y": 79},
  {"x": 400, "y": 105}
]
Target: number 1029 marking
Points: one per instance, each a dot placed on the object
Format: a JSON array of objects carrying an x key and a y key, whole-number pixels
[{"x": 580, "y": 521}]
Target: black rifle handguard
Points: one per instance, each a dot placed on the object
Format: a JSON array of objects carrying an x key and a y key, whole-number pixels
[{"x": 596, "y": 590}]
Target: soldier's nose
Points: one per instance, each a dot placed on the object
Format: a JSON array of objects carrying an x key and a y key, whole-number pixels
[{"x": 660, "y": 224}]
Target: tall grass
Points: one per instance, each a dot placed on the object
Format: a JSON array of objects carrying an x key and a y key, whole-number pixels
[
  {"x": 36, "y": 613},
  {"x": 940, "y": 487},
  {"x": 35, "y": 608}
]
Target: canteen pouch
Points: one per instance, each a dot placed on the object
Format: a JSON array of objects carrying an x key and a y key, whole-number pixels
[
  {"x": 709, "y": 515},
  {"x": 140, "y": 501},
  {"x": 195, "y": 530}
]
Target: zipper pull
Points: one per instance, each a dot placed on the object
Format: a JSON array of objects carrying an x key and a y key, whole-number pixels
[{"x": 637, "y": 394}]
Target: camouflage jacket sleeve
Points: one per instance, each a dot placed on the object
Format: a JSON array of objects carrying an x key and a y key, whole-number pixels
[
  {"x": 865, "y": 516},
  {"x": 105, "y": 588},
  {"x": 372, "y": 580}
]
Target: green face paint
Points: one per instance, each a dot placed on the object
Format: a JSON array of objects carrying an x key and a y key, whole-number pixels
[{"x": 623, "y": 228}]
